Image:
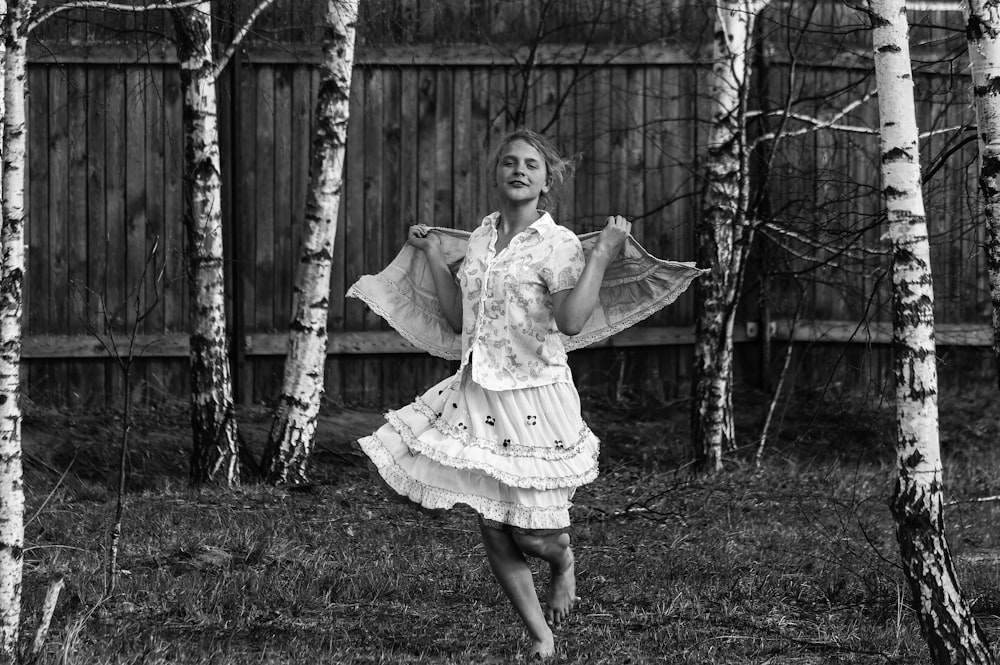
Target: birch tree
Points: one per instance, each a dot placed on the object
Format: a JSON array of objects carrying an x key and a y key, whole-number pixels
[
  {"x": 982, "y": 19},
  {"x": 215, "y": 450},
  {"x": 293, "y": 429},
  {"x": 215, "y": 443},
  {"x": 15, "y": 38},
  {"x": 946, "y": 620},
  {"x": 724, "y": 232}
]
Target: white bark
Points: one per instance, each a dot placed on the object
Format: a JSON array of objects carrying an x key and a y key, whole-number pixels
[
  {"x": 11, "y": 282},
  {"x": 294, "y": 426},
  {"x": 945, "y": 619},
  {"x": 723, "y": 232},
  {"x": 215, "y": 446},
  {"x": 982, "y": 18}
]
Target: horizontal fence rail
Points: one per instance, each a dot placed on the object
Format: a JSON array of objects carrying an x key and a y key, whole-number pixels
[{"x": 390, "y": 342}]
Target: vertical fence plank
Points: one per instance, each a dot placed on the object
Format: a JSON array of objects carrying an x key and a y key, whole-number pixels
[
  {"x": 58, "y": 208},
  {"x": 58, "y": 201},
  {"x": 410, "y": 377},
  {"x": 156, "y": 230},
  {"x": 175, "y": 287},
  {"x": 444, "y": 213},
  {"x": 397, "y": 381},
  {"x": 374, "y": 126},
  {"x": 564, "y": 132},
  {"x": 154, "y": 195},
  {"x": 263, "y": 304},
  {"x": 80, "y": 388},
  {"x": 603, "y": 156},
  {"x": 76, "y": 177},
  {"x": 354, "y": 227},
  {"x": 478, "y": 144},
  {"x": 97, "y": 213},
  {"x": 584, "y": 126},
  {"x": 426, "y": 166},
  {"x": 283, "y": 204},
  {"x": 136, "y": 212},
  {"x": 115, "y": 275},
  {"x": 660, "y": 362},
  {"x": 464, "y": 150},
  {"x": 244, "y": 259}
]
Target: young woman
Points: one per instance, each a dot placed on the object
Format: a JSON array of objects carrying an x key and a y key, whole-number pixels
[{"x": 505, "y": 434}]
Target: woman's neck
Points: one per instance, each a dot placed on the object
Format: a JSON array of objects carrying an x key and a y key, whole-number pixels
[{"x": 514, "y": 219}]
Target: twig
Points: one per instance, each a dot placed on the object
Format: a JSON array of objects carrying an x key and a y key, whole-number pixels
[
  {"x": 52, "y": 492},
  {"x": 759, "y": 456}
]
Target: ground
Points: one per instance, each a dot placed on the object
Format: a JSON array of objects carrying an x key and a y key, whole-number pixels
[{"x": 793, "y": 561}]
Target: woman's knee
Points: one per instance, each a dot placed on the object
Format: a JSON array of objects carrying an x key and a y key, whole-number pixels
[{"x": 543, "y": 547}]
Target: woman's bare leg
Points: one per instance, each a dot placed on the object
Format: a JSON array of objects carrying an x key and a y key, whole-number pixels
[
  {"x": 512, "y": 571},
  {"x": 556, "y": 551}
]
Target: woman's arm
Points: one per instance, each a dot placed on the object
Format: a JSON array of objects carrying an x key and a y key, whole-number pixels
[
  {"x": 449, "y": 295},
  {"x": 572, "y": 308}
]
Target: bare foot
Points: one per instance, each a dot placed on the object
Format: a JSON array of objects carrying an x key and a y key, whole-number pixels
[
  {"x": 562, "y": 591},
  {"x": 542, "y": 650}
]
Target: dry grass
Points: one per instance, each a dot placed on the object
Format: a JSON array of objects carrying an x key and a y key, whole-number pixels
[{"x": 792, "y": 563}]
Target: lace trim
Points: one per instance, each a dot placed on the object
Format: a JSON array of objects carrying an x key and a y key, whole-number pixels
[
  {"x": 578, "y": 342},
  {"x": 506, "y": 477},
  {"x": 446, "y": 352},
  {"x": 495, "y": 446},
  {"x": 434, "y": 498}
]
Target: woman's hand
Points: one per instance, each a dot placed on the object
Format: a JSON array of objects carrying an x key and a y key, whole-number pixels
[
  {"x": 420, "y": 237},
  {"x": 613, "y": 237}
]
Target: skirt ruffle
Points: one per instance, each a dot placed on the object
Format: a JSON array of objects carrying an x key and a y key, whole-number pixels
[{"x": 515, "y": 457}]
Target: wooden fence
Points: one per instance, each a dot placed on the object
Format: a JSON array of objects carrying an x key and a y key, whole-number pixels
[{"x": 106, "y": 184}]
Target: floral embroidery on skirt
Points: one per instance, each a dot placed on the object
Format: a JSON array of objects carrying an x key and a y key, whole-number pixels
[{"x": 515, "y": 457}]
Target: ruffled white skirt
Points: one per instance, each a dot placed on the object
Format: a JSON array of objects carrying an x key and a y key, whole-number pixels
[{"x": 515, "y": 457}]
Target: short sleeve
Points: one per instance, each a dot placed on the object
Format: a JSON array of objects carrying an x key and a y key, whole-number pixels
[{"x": 565, "y": 263}]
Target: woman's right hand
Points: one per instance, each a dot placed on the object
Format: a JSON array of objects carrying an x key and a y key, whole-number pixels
[{"x": 421, "y": 238}]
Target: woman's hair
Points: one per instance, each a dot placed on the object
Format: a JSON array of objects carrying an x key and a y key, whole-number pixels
[{"x": 558, "y": 169}]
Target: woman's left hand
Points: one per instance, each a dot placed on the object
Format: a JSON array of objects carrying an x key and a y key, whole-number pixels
[{"x": 613, "y": 236}]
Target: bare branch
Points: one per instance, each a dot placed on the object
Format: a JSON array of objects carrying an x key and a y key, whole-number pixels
[
  {"x": 105, "y": 5},
  {"x": 946, "y": 130},
  {"x": 851, "y": 251},
  {"x": 817, "y": 124},
  {"x": 239, "y": 37}
]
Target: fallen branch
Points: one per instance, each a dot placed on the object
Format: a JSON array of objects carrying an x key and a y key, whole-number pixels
[{"x": 48, "y": 609}]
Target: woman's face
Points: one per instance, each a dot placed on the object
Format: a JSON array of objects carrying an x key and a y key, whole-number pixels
[{"x": 521, "y": 174}]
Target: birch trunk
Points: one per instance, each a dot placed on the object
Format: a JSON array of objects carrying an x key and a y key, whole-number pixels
[
  {"x": 723, "y": 234},
  {"x": 945, "y": 618},
  {"x": 14, "y": 84},
  {"x": 982, "y": 23},
  {"x": 215, "y": 445},
  {"x": 293, "y": 430}
]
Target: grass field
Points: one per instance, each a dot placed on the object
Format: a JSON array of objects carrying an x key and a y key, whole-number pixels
[{"x": 794, "y": 562}]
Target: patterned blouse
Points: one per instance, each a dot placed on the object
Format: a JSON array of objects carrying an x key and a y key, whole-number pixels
[{"x": 508, "y": 332}]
